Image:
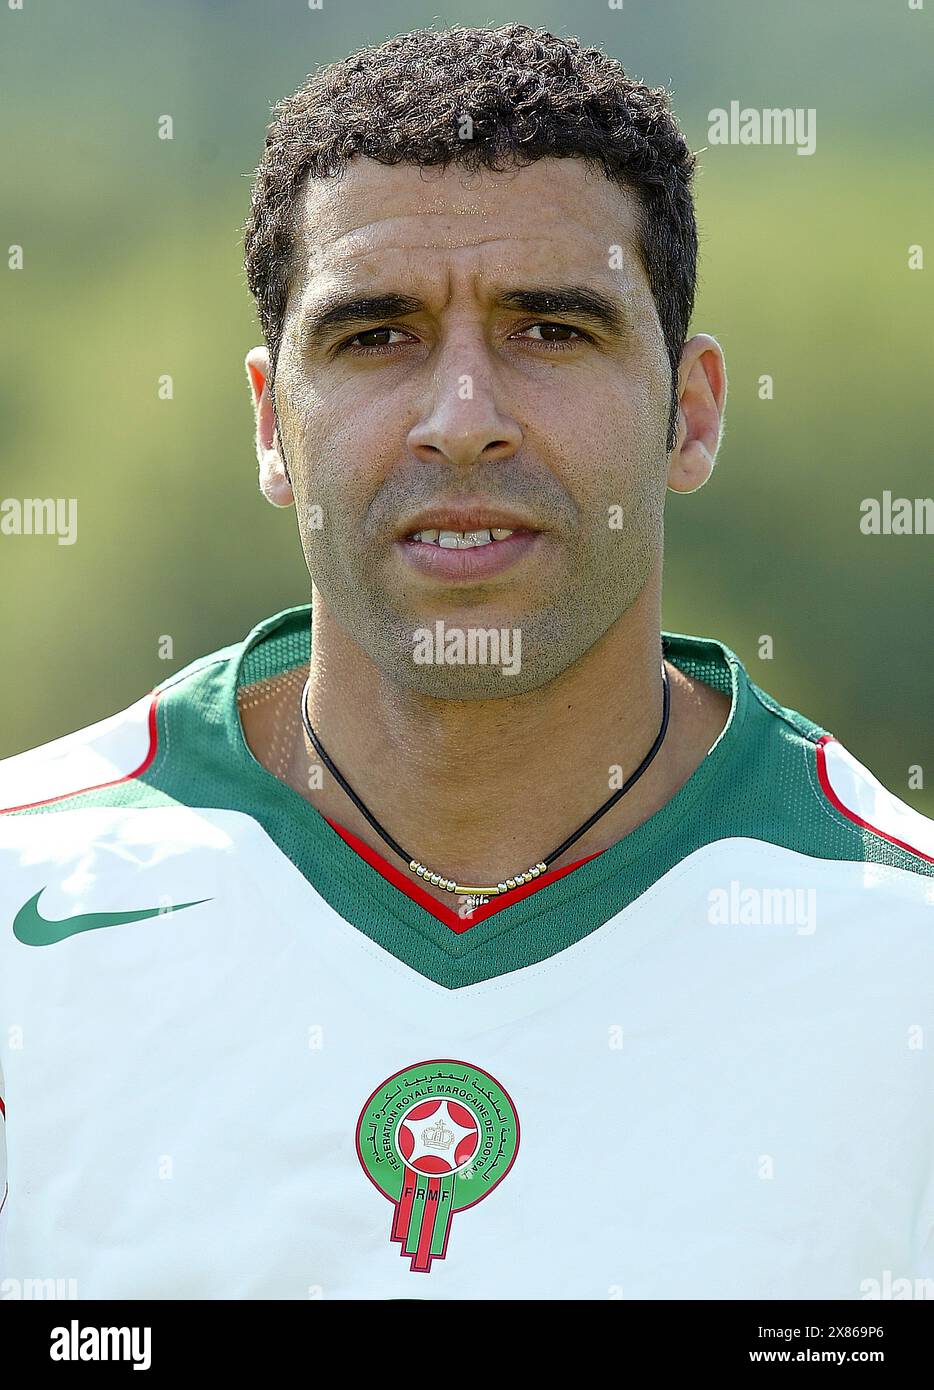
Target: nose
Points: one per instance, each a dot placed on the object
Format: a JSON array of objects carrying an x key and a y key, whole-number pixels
[{"x": 462, "y": 424}]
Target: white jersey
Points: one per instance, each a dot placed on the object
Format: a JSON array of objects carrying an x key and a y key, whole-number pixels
[{"x": 243, "y": 1057}]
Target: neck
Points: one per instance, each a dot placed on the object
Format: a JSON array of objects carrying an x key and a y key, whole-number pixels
[{"x": 479, "y": 790}]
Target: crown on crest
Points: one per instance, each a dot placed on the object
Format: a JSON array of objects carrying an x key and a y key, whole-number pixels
[{"x": 436, "y": 1136}]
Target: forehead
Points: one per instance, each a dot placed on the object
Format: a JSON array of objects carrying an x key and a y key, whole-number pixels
[{"x": 554, "y": 214}]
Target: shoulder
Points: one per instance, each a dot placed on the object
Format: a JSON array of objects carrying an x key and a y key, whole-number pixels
[
  {"x": 840, "y": 806},
  {"x": 853, "y": 792},
  {"x": 113, "y": 751}
]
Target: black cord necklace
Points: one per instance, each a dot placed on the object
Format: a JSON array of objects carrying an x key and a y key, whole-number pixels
[{"x": 480, "y": 895}]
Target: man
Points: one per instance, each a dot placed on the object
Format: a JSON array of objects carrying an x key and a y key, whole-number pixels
[{"x": 467, "y": 925}]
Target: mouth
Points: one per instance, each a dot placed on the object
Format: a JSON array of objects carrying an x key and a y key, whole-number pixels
[
  {"x": 446, "y": 539},
  {"x": 466, "y": 546},
  {"x": 467, "y": 541},
  {"x": 465, "y": 523}
]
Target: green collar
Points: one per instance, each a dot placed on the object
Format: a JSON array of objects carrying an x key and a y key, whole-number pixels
[{"x": 224, "y": 772}]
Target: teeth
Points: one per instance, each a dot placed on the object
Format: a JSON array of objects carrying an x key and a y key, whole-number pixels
[{"x": 462, "y": 540}]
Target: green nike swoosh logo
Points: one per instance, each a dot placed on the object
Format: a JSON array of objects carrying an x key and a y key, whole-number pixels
[{"x": 32, "y": 929}]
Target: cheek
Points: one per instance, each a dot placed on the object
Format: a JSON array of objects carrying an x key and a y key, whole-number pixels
[
  {"x": 617, "y": 478},
  {"x": 609, "y": 462},
  {"x": 348, "y": 448},
  {"x": 323, "y": 477}
]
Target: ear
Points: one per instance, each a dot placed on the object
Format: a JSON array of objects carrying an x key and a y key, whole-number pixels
[
  {"x": 274, "y": 481},
  {"x": 701, "y": 402}
]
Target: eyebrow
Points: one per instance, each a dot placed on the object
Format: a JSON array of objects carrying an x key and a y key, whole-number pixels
[{"x": 578, "y": 300}]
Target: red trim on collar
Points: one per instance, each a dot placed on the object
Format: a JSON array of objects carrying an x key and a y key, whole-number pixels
[{"x": 418, "y": 895}]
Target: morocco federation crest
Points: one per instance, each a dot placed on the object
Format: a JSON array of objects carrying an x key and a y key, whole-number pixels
[{"x": 435, "y": 1138}]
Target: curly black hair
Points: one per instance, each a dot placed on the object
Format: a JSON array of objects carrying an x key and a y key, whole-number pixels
[{"x": 528, "y": 95}]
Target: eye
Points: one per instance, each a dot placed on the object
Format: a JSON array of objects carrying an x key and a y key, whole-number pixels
[
  {"x": 371, "y": 348},
  {"x": 559, "y": 344}
]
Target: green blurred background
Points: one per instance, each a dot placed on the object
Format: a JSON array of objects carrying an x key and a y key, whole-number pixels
[{"x": 133, "y": 268}]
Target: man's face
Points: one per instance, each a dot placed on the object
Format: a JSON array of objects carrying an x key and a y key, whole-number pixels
[{"x": 465, "y": 406}]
